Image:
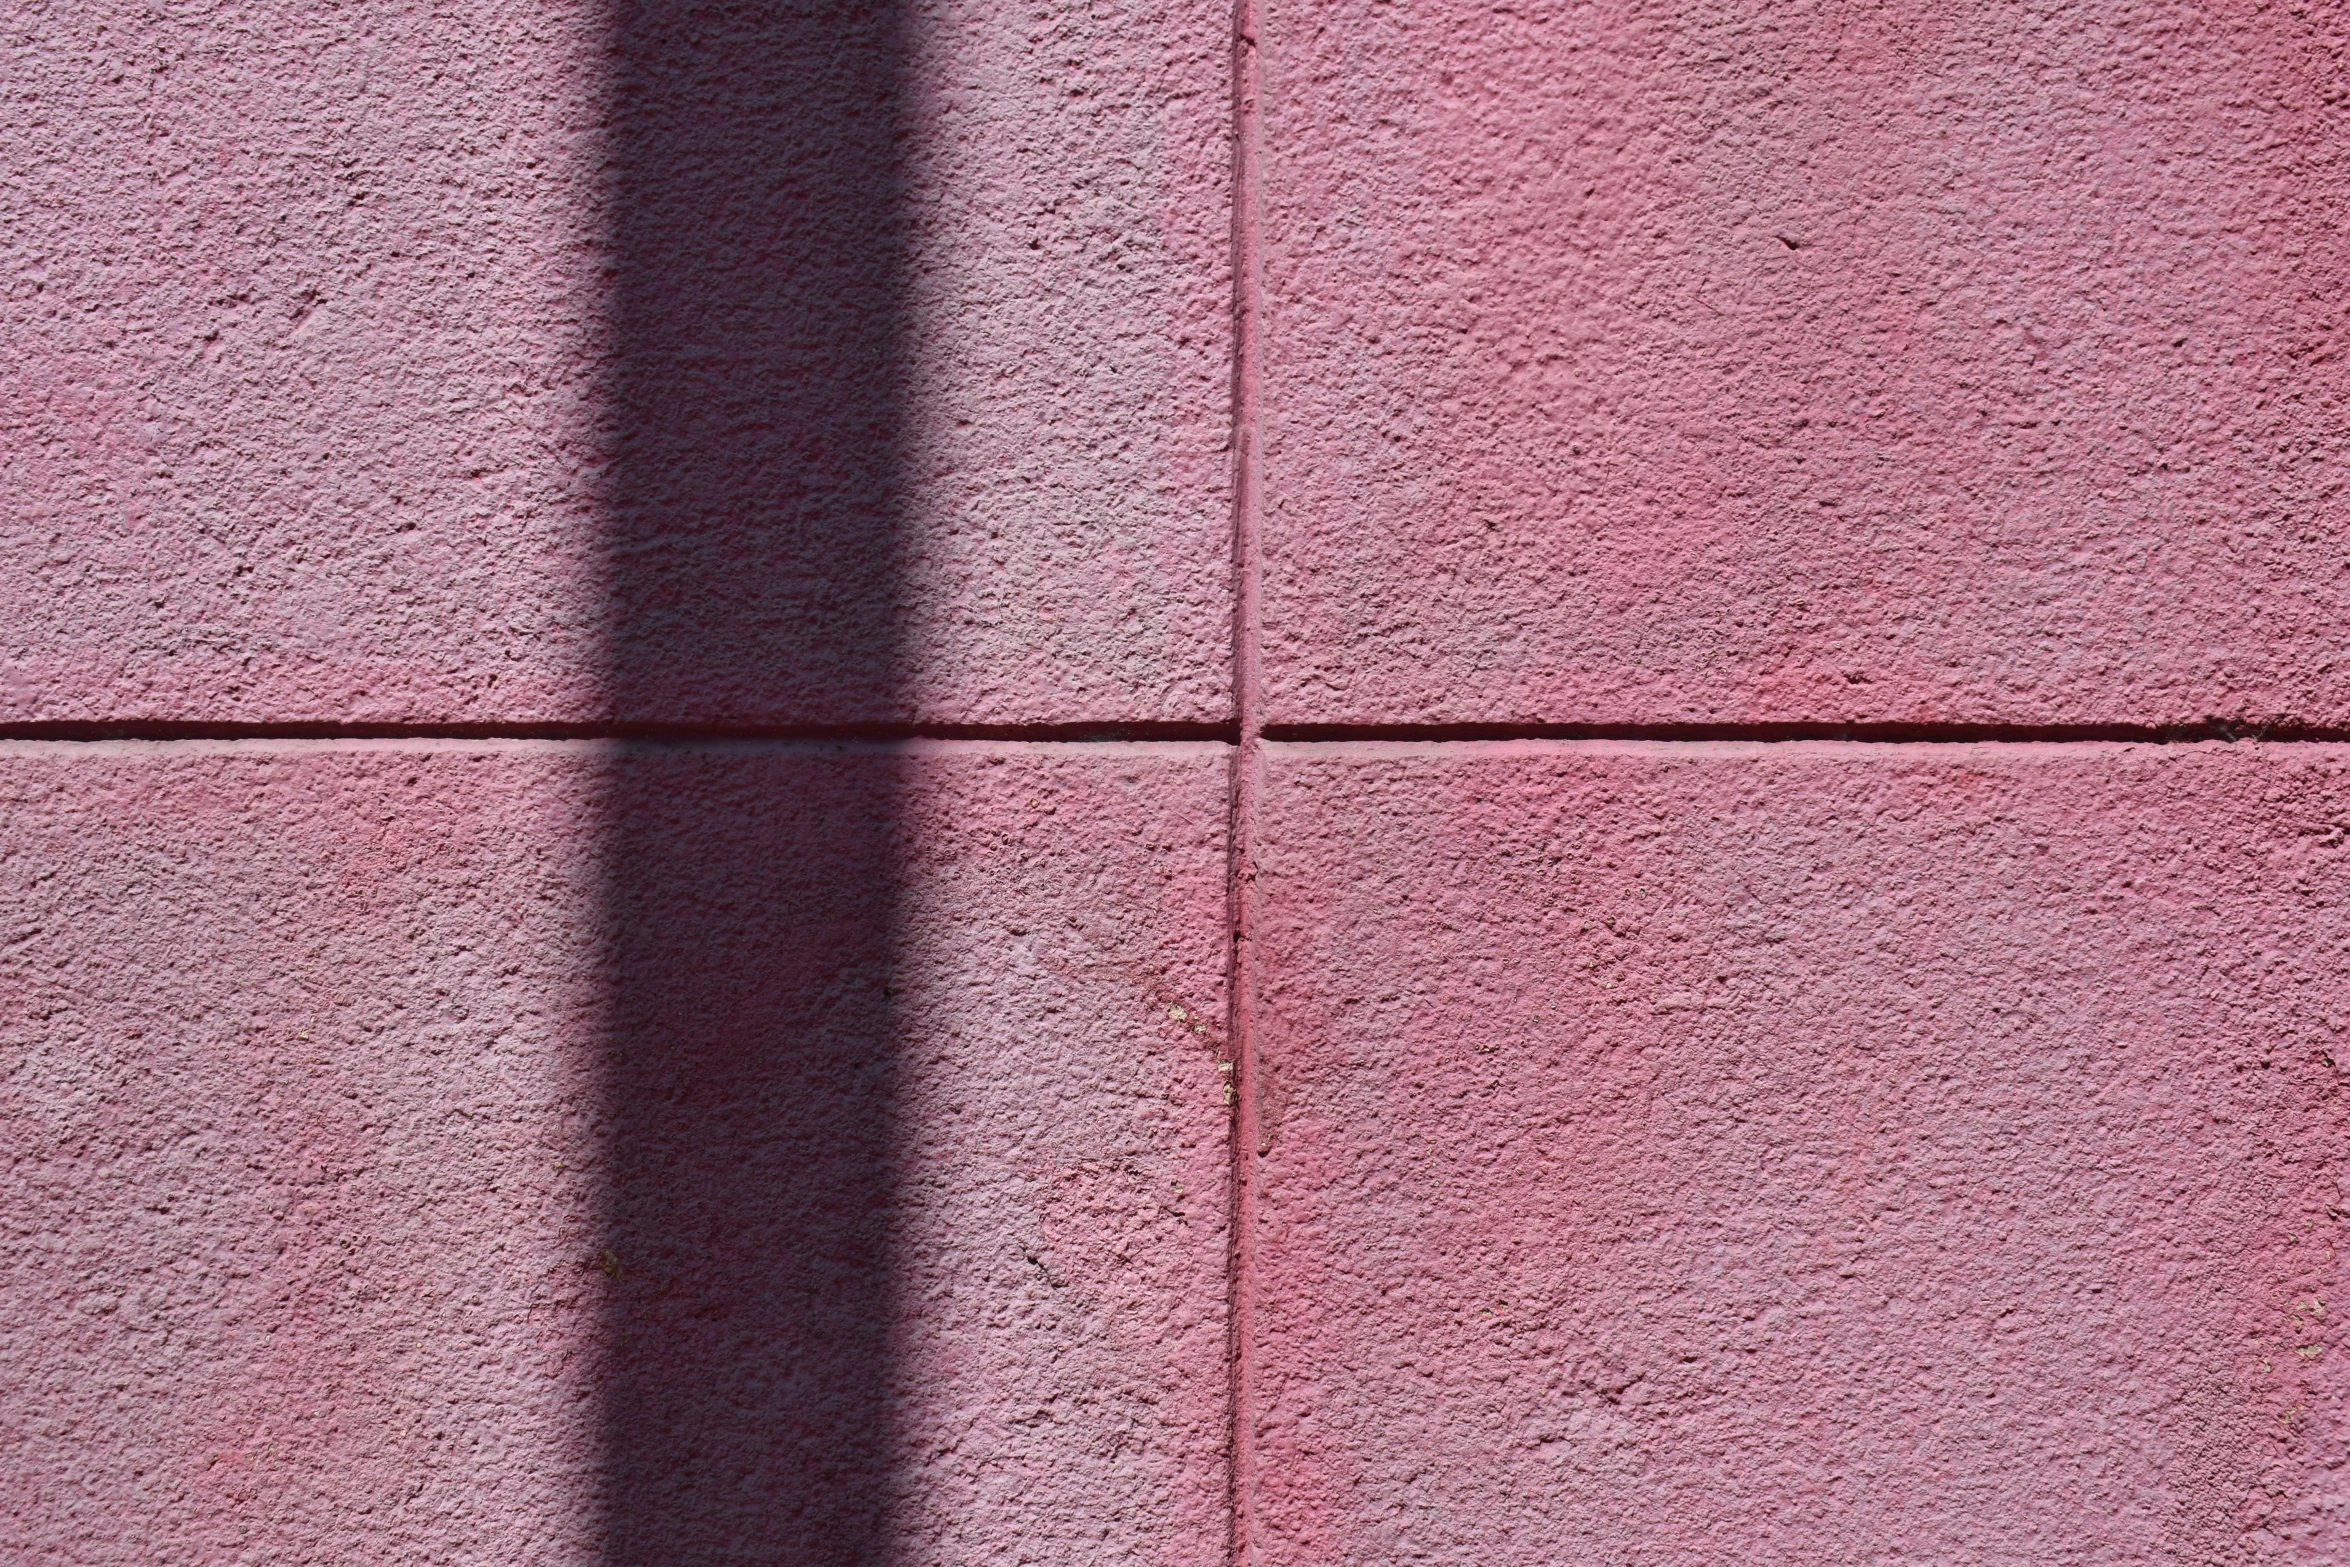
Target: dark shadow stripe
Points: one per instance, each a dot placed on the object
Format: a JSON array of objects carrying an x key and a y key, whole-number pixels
[{"x": 753, "y": 510}]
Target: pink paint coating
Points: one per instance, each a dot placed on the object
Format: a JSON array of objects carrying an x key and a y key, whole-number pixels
[
  {"x": 567, "y": 1153},
  {"x": 326, "y": 1231},
  {"x": 377, "y": 363},
  {"x": 1646, "y": 363},
  {"x": 1803, "y": 1154}
]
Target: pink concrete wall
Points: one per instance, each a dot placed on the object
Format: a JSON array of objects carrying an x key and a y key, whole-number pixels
[
  {"x": 1804, "y": 1153},
  {"x": 339, "y": 1231},
  {"x": 1288, "y": 783},
  {"x": 395, "y": 363},
  {"x": 1876, "y": 362}
]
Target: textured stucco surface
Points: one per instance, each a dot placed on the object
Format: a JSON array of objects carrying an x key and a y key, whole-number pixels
[
  {"x": 1670, "y": 363},
  {"x": 1804, "y": 1154},
  {"x": 347, "y": 1219},
  {"x": 558, "y": 1151},
  {"x": 385, "y": 362}
]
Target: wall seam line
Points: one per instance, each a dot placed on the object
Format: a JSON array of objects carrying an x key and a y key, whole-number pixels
[
  {"x": 951, "y": 744},
  {"x": 1256, "y": 734},
  {"x": 1240, "y": 837}
]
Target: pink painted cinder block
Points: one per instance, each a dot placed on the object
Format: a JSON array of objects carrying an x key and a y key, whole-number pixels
[
  {"x": 1886, "y": 362},
  {"x": 498, "y": 363},
  {"x": 533, "y": 1152},
  {"x": 301, "y": 1108},
  {"x": 1803, "y": 1154}
]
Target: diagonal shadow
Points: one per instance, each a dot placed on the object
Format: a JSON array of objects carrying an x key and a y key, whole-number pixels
[{"x": 751, "y": 517}]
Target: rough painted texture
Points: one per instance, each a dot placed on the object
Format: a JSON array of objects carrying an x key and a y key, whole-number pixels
[
  {"x": 299, "y": 1106},
  {"x": 1804, "y": 1154},
  {"x": 386, "y": 363},
  {"x": 331, "y": 1233},
  {"x": 1643, "y": 362},
  {"x": 538, "y": 1152}
]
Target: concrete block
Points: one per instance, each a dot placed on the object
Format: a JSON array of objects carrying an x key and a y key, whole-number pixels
[
  {"x": 490, "y": 363},
  {"x": 1767, "y": 363},
  {"x": 1803, "y": 1154},
  {"x": 535, "y": 1152}
]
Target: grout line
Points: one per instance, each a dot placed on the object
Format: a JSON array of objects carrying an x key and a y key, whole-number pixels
[
  {"x": 815, "y": 734},
  {"x": 1156, "y": 751},
  {"x": 1247, "y": 734},
  {"x": 1240, "y": 841},
  {"x": 1789, "y": 733}
]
